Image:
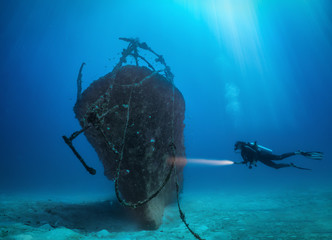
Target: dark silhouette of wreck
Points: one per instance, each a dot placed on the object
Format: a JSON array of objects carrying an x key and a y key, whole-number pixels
[{"x": 133, "y": 117}]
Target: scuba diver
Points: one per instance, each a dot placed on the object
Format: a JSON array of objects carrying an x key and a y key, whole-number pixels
[{"x": 252, "y": 153}]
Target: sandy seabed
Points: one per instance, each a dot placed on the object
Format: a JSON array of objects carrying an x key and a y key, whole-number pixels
[{"x": 282, "y": 214}]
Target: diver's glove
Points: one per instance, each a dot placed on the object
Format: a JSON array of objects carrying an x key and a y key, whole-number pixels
[{"x": 239, "y": 162}]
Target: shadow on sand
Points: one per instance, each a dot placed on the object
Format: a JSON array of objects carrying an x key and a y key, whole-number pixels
[{"x": 85, "y": 217}]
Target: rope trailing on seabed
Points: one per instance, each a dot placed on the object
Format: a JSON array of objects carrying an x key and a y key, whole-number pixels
[{"x": 94, "y": 120}]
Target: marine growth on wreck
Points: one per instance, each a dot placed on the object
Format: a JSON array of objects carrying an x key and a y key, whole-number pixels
[{"x": 133, "y": 117}]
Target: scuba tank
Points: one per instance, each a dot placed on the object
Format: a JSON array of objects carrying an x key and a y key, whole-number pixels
[{"x": 261, "y": 148}]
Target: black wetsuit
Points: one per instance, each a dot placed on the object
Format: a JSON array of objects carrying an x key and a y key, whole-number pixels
[{"x": 251, "y": 154}]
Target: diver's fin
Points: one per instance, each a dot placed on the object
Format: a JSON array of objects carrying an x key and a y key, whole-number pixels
[
  {"x": 292, "y": 164},
  {"x": 313, "y": 155}
]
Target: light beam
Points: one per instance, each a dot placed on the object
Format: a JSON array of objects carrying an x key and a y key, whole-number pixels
[{"x": 211, "y": 162}]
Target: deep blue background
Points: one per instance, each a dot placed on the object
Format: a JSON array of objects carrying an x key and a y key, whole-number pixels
[{"x": 249, "y": 70}]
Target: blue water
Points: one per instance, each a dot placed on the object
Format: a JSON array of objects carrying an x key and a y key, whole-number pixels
[{"x": 248, "y": 70}]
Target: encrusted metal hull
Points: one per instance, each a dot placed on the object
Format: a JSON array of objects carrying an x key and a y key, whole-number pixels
[{"x": 136, "y": 117}]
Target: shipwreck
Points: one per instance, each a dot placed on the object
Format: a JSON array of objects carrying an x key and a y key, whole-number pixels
[{"x": 133, "y": 118}]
